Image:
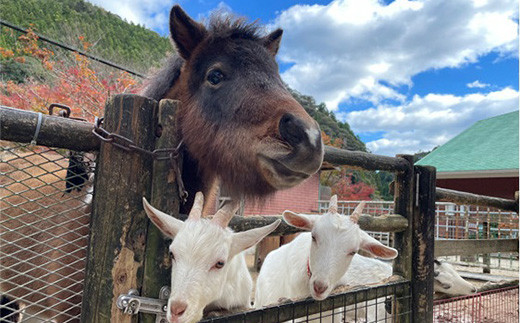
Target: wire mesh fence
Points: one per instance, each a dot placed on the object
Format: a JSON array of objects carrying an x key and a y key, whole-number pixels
[
  {"x": 364, "y": 304},
  {"x": 494, "y": 306},
  {"x": 44, "y": 224}
]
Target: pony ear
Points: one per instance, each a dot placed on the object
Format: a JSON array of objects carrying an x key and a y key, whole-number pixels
[
  {"x": 301, "y": 221},
  {"x": 376, "y": 248},
  {"x": 167, "y": 224},
  {"x": 272, "y": 41},
  {"x": 185, "y": 32},
  {"x": 246, "y": 239}
]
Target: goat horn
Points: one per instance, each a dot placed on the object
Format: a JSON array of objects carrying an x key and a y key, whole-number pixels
[
  {"x": 224, "y": 215},
  {"x": 333, "y": 204},
  {"x": 357, "y": 212},
  {"x": 196, "y": 210}
]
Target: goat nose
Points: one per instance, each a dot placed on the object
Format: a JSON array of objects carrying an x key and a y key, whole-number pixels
[
  {"x": 474, "y": 289},
  {"x": 177, "y": 308},
  {"x": 295, "y": 131},
  {"x": 319, "y": 287}
]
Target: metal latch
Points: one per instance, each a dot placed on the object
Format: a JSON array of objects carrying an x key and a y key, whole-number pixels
[{"x": 132, "y": 304}]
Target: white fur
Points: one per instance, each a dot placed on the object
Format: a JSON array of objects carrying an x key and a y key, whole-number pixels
[
  {"x": 338, "y": 238},
  {"x": 198, "y": 245},
  {"x": 448, "y": 281}
]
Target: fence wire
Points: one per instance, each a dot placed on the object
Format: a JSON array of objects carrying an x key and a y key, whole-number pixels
[
  {"x": 367, "y": 304},
  {"x": 494, "y": 306},
  {"x": 44, "y": 226}
]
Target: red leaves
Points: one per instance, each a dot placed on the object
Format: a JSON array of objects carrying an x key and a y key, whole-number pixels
[
  {"x": 72, "y": 80},
  {"x": 347, "y": 189}
]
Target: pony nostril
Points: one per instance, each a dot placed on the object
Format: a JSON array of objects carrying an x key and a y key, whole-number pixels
[
  {"x": 177, "y": 308},
  {"x": 319, "y": 287},
  {"x": 292, "y": 129}
]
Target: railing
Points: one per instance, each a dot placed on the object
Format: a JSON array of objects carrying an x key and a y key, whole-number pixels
[{"x": 117, "y": 261}]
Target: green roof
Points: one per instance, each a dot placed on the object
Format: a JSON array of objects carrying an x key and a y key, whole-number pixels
[{"x": 490, "y": 144}]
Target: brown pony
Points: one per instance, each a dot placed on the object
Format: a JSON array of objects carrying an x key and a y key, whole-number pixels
[{"x": 239, "y": 123}]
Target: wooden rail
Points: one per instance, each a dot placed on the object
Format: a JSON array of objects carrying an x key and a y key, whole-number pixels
[
  {"x": 468, "y": 247},
  {"x": 382, "y": 223},
  {"x": 363, "y": 160},
  {"x": 20, "y": 126},
  {"x": 445, "y": 194}
]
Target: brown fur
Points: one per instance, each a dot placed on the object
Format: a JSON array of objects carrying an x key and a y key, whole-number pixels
[{"x": 226, "y": 127}]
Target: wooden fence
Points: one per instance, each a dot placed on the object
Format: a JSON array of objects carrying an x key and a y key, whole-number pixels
[{"x": 126, "y": 252}]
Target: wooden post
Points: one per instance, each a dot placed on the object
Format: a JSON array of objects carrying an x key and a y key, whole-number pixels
[
  {"x": 118, "y": 223},
  {"x": 403, "y": 205},
  {"x": 485, "y": 257},
  {"x": 157, "y": 264},
  {"x": 423, "y": 245},
  {"x": 264, "y": 247}
]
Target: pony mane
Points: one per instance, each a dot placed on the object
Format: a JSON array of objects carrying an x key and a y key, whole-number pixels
[
  {"x": 226, "y": 25},
  {"x": 220, "y": 25},
  {"x": 160, "y": 82}
]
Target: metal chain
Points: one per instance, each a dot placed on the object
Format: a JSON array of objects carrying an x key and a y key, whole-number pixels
[{"x": 128, "y": 145}]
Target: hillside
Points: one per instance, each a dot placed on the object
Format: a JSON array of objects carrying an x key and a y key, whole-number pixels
[{"x": 65, "y": 20}]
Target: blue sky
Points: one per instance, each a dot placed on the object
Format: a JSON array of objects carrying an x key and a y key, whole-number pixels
[{"x": 406, "y": 75}]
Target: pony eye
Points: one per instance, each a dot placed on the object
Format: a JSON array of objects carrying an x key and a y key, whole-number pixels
[
  {"x": 215, "y": 77},
  {"x": 219, "y": 264}
]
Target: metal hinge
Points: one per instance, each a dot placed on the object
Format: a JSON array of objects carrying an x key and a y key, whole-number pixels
[{"x": 132, "y": 304}]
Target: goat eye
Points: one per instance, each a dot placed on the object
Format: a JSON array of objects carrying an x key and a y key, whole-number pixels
[
  {"x": 352, "y": 253},
  {"x": 313, "y": 238},
  {"x": 172, "y": 257},
  {"x": 219, "y": 264},
  {"x": 215, "y": 77}
]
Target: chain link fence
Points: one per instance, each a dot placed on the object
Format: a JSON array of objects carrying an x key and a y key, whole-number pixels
[{"x": 44, "y": 227}]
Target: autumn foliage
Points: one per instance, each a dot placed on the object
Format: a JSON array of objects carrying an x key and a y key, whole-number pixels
[
  {"x": 343, "y": 182},
  {"x": 71, "y": 80}
]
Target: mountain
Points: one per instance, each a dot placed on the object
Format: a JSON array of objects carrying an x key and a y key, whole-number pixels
[{"x": 113, "y": 38}]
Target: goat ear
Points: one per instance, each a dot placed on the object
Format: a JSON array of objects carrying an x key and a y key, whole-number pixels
[
  {"x": 167, "y": 224},
  {"x": 376, "y": 248},
  {"x": 272, "y": 41},
  {"x": 246, "y": 239},
  {"x": 185, "y": 32},
  {"x": 301, "y": 221}
]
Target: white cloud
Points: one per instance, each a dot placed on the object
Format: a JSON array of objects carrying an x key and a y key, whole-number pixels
[
  {"x": 153, "y": 14},
  {"x": 346, "y": 48},
  {"x": 477, "y": 84},
  {"x": 429, "y": 121}
]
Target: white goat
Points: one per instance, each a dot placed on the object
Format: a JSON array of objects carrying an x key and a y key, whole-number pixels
[
  {"x": 448, "y": 281},
  {"x": 209, "y": 271},
  {"x": 315, "y": 262}
]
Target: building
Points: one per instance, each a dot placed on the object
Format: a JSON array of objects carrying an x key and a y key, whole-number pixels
[{"x": 483, "y": 159}]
